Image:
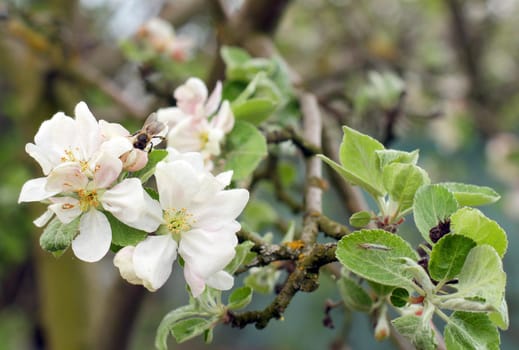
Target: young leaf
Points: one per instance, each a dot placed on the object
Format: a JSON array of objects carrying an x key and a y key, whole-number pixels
[
  {"x": 374, "y": 255},
  {"x": 353, "y": 295},
  {"x": 432, "y": 204},
  {"x": 482, "y": 277},
  {"x": 189, "y": 328},
  {"x": 388, "y": 156},
  {"x": 401, "y": 182},
  {"x": 360, "y": 219},
  {"x": 399, "y": 297},
  {"x": 169, "y": 320},
  {"x": 467, "y": 330},
  {"x": 234, "y": 56},
  {"x": 245, "y": 147},
  {"x": 240, "y": 298},
  {"x": 472, "y": 195},
  {"x": 448, "y": 256},
  {"x": 123, "y": 235},
  {"x": 243, "y": 256},
  {"x": 500, "y": 317},
  {"x": 254, "y": 110},
  {"x": 474, "y": 224},
  {"x": 411, "y": 327},
  {"x": 57, "y": 236},
  {"x": 360, "y": 162},
  {"x": 154, "y": 157}
]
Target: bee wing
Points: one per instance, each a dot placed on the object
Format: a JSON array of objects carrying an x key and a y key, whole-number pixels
[{"x": 153, "y": 127}]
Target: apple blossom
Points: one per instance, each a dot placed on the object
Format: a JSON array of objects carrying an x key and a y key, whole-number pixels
[{"x": 198, "y": 224}]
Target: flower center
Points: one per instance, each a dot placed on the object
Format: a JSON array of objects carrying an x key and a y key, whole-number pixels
[
  {"x": 87, "y": 199},
  {"x": 204, "y": 138},
  {"x": 178, "y": 220}
]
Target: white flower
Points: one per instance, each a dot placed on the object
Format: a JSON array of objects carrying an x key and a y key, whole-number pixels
[
  {"x": 81, "y": 158},
  {"x": 161, "y": 36},
  {"x": 199, "y": 224}
]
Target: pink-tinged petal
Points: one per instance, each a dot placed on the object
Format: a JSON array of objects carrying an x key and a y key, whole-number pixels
[
  {"x": 123, "y": 260},
  {"x": 222, "y": 280},
  {"x": 44, "y": 218},
  {"x": 153, "y": 260},
  {"x": 177, "y": 183},
  {"x": 90, "y": 137},
  {"x": 214, "y": 100},
  {"x": 65, "y": 208},
  {"x": 129, "y": 203},
  {"x": 224, "y": 120},
  {"x": 171, "y": 116},
  {"x": 95, "y": 235},
  {"x": 34, "y": 190},
  {"x": 117, "y": 146},
  {"x": 207, "y": 252},
  {"x": 134, "y": 160},
  {"x": 195, "y": 282},
  {"x": 193, "y": 158},
  {"x": 66, "y": 177},
  {"x": 111, "y": 130},
  {"x": 191, "y": 96},
  {"x": 223, "y": 208},
  {"x": 106, "y": 169}
]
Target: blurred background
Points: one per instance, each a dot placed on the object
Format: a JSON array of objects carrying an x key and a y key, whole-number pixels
[{"x": 438, "y": 75}]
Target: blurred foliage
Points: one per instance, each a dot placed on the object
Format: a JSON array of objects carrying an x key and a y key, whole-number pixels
[{"x": 453, "y": 65}]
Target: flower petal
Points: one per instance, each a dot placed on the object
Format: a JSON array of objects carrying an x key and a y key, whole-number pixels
[
  {"x": 195, "y": 282},
  {"x": 224, "y": 120},
  {"x": 66, "y": 177},
  {"x": 193, "y": 158},
  {"x": 123, "y": 260},
  {"x": 44, "y": 218},
  {"x": 214, "y": 100},
  {"x": 90, "y": 133},
  {"x": 95, "y": 235},
  {"x": 106, "y": 169},
  {"x": 171, "y": 116},
  {"x": 177, "y": 183},
  {"x": 224, "y": 207},
  {"x": 34, "y": 190},
  {"x": 222, "y": 280},
  {"x": 191, "y": 96},
  {"x": 65, "y": 208},
  {"x": 153, "y": 260},
  {"x": 186, "y": 136},
  {"x": 129, "y": 203}
]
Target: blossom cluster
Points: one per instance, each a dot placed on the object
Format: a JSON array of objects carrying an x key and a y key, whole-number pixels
[{"x": 88, "y": 168}]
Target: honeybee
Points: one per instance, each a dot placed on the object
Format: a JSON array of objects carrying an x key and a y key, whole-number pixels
[{"x": 152, "y": 129}]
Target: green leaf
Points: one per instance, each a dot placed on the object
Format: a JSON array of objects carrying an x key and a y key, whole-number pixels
[
  {"x": 154, "y": 157},
  {"x": 399, "y": 297},
  {"x": 189, "y": 328},
  {"x": 243, "y": 256},
  {"x": 122, "y": 234},
  {"x": 473, "y": 223},
  {"x": 432, "y": 204},
  {"x": 388, "y": 156},
  {"x": 380, "y": 290},
  {"x": 466, "y": 330},
  {"x": 245, "y": 148},
  {"x": 360, "y": 162},
  {"x": 254, "y": 110},
  {"x": 472, "y": 195},
  {"x": 448, "y": 256},
  {"x": 258, "y": 214},
  {"x": 360, "y": 218},
  {"x": 57, "y": 236},
  {"x": 374, "y": 255},
  {"x": 169, "y": 320},
  {"x": 353, "y": 295},
  {"x": 482, "y": 277},
  {"x": 500, "y": 317},
  {"x": 234, "y": 56},
  {"x": 401, "y": 182},
  {"x": 412, "y": 327},
  {"x": 240, "y": 298}
]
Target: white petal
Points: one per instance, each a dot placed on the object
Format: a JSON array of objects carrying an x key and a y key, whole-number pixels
[
  {"x": 44, "y": 218},
  {"x": 117, "y": 146},
  {"x": 224, "y": 120},
  {"x": 207, "y": 252},
  {"x": 177, "y": 183},
  {"x": 191, "y": 96},
  {"x": 111, "y": 130},
  {"x": 106, "y": 169},
  {"x": 129, "y": 203},
  {"x": 223, "y": 208},
  {"x": 65, "y": 208},
  {"x": 195, "y": 282},
  {"x": 90, "y": 137},
  {"x": 171, "y": 116},
  {"x": 66, "y": 177},
  {"x": 224, "y": 178},
  {"x": 123, "y": 260},
  {"x": 186, "y": 135},
  {"x": 34, "y": 190},
  {"x": 95, "y": 235},
  {"x": 221, "y": 280},
  {"x": 214, "y": 100},
  {"x": 153, "y": 260},
  {"x": 193, "y": 158}
]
